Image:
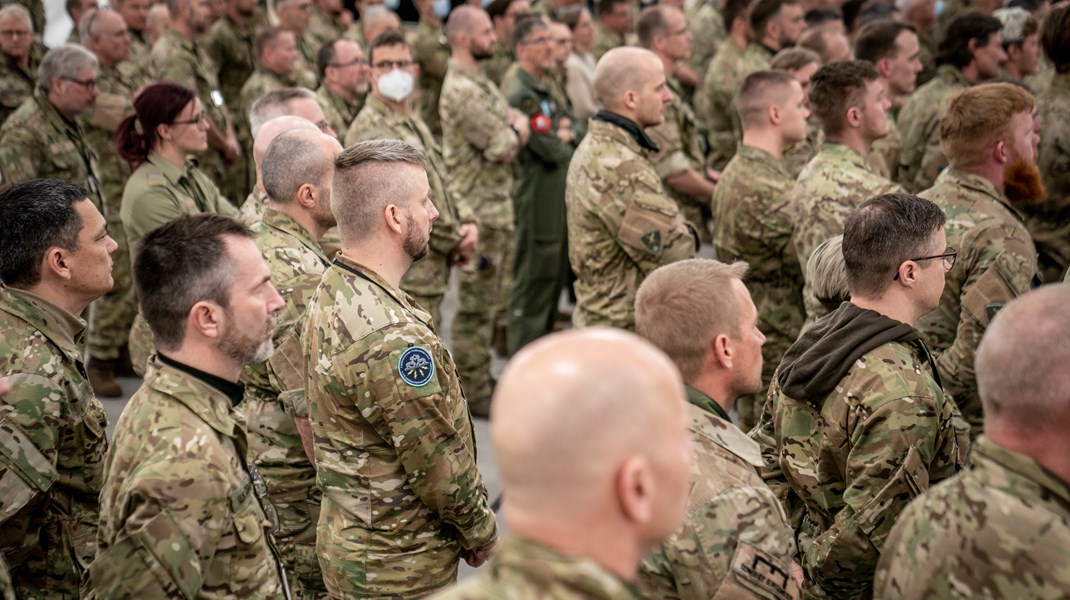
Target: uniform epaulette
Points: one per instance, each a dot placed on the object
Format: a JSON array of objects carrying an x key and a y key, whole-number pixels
[{"x": 156, "y": 179}]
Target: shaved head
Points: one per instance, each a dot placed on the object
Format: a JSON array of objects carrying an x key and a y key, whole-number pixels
[
  {"x": 463, "y": 20},
  {"x": 573, "y": 413},
  {"x": 622, "y": 70},
  {"x": 297, "y": 157},
  {"x": 273, "y": 129}
]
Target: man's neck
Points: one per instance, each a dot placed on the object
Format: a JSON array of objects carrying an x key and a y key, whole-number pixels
[
  {"x": 184, "y": 30},
  {"x": 205, "y": 357},
  {"x": 238, "y": 17},
  {"x": 667, "y": 63},
  {"x": 739, "y": 38},
  {"x": 767, "y": 140},
  {"x": 1011, "y": 71},
  {"x": 1048, "y": 453},
  {"x": 971, "y": 72},
  {"x": 600, "y": 542},
  {"x": 464, "y": 58},
  {"x": 892, "y": 306},
  {"x": 56, "y": 295},
  {"x": 23, "y": 62},
  {"x": 382, "y": 256},
  {"x": 431, "y": 19},
  {"x": 770, "y": 43},
  {"x": 337, "y": 89},
  {"x": 300, "y": 216},
  {"x": 991, "y": 171},
  {"x": 532, "y": 70},
  {"x": 853, "y": 139},
  {"x": 402, "y": 108},
  {"x": 714, "y": 386}
]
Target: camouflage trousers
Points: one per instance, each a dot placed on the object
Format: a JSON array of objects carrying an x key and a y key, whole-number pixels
[
  {"x": 483, "y": 295},
  {"x": 111, "y": 315},
  {"x": 426, "y": 281}
]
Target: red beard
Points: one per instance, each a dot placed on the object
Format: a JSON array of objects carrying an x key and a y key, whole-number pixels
[{"x": 1023, "y": 183}]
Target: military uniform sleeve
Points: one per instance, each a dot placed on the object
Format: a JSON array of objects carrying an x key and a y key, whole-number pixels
[
  {"x": 476, "y": 122},
  {"x": 20, "y": 152},
  {"x": 176, "y": 71},
  {"x": 543, "y": 142},
  {"x": 887, "y": 466},
  {"x": 422, "y": 423},
  {"x": 31, "y": 419},
  {"x": 916, "y": 128}
]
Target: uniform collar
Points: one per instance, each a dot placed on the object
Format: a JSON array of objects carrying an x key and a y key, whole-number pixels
[
  {"x": 627, "y": 126},
  {"x": 352, "y": 267},
  {"x": 701, "y": 400},
  {"x": 177, "y": 38},
  {"x": 168, "y": 169},
  {"x": 951, "y": 75},
  {"x": 961, "y": 179},
  {"x": 61, "y": 327},
  {"x": 761, "y": 156},
  {"x": 985, "y": 450},
  {"x": 720, "y": 430},
  {"x": 196, "y": 391},
  {"x": 54, "y": 116},
  {"x": 376, "y": 104},
  {"x": 530, "y": 81},
  {"x": 546, "y": 568},
  {"x": 476, "y": 74},
  {"x": 282, "y": 222},
  {"x": 844, "y": 153},
  {"x": 15, "y": 68}
]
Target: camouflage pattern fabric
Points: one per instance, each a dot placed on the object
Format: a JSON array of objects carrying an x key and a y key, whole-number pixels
[
  {"x": 305, "y": 69},
  {"x": 297, "y": 263},
  {"x": 254, "y": 207},
  {"x": 523, "y": 570},
  {"x": 429, "y": 277},
  {"x": 621, "y": 225},
  {"x": 677, "y": 139},
  {"x": 496, "y": 66},
  {"x": 432, "y": 51},
  {"x": 338, "y": 112},
  {"x": 715, "y": 102},
  {"x": 37, "y": 142},
  {"x": 752, "y": 219},
  {"x": 996, "y": 263},
  {"x": 1049, "y": 221},
  {"x": 829, "y": 188},
  {"x": 382, "y": 386},
  {"x": 605, "y": 40},
  {"x": 920, "y": 156},
  {"x": 477, "y": 144},
  {"x": 709, "y": 34},
  {"x": 259, "y": 83},
  {"x": 802, "y": 152},
  {"x": 999, "y": 530},
  {"x": 16, "y": 84},
  {"x": 735, "y": 541},
  {"x": 52, "y": 448},
  {"x": 180, "y": 514},
  {"x": 322, "y": 28}
]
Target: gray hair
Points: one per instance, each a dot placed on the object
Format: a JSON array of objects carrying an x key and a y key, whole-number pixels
[
  {"x": 90, "y": 22},
  {"x": 292, "y": 160},
  {"x": 275, "y": 104},
  {"x": 827, "y": 272},
  {"x": 19, "y": 11},
  {"x": 366, "y": 181},
  {"x": 67, "y": 60}
]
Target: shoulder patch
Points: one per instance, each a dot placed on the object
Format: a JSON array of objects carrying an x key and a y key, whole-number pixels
[
  {"x": 416, "y": 366},
  {"x": 652, "y": 241},
  {"x": 155, "y": 179},
  {"x": 763, "y": 575},
  {"x": 541, "y": 123}
]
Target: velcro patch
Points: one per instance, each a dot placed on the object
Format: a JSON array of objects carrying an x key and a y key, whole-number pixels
[
  {"x": 762, "y": 574},
  {"x": 652, "y": 241},
  {"x": 416, "y": 366},
  {"x": 541, "y": 123}
]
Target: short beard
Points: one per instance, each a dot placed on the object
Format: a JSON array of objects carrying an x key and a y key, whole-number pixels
[
  {"x": 482, "y": 53},
  {"x": 246, "y": 349},
  {"x": 1023, "y": 184},
  {"x": 414, "y": 245}
]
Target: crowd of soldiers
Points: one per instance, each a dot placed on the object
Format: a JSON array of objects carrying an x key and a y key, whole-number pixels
[{"x": 260, "y": 209}]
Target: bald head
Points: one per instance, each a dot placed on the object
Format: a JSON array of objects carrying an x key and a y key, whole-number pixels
[
  {"x": 298, "y": 157},
  {"x": 573, "y": 410},
  {"x": 464, "y": 20},
  {"x": 623, "y": 71},
  {"x": 378, "y": 19},
  {"x": 272, "y": 129},
  {"x": 1022, "y": 360}
]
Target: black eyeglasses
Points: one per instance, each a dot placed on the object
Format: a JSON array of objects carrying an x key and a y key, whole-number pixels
[
  {"x": 949, "y": 260},
  {"x": 355, "y": 61},
  {"x": 87, "y": 84},
  {"x": 194, "y": 121},
  {"x": 393, "y": 64}
]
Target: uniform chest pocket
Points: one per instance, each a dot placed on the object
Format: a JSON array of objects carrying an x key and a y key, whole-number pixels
[
  {"x": 249, "y": 520},
  {"x": 64, "y": 155}
]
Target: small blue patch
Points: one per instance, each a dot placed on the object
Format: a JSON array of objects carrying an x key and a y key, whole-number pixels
[{"x": 416, "y": 366}]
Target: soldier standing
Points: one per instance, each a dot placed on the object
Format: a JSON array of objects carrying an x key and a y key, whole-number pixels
[
  {"x": 1017, "y": 486},
  {"x": 431, "y": 50},
  {"x": 135, "y": 14},
  {"x": 56, "y": 261},
  {"x": 614, "y": 20},
  {"x": 481, "y": 136},
  {"x": 989, "y": 134},
  {"x": 572, "y": 457},
  {"x": 391, "y": 114},
  {"x": 382, "y": 385},
  {"x": 849, "y": 102},
  {"x": 181, "y": 513},
  {"x": 298, "y": 168},
  {"x": 709, "y": 33},
  {"x": 866, "y": 427},
  {"x": 343, "y": 83},
  {"x": 753, "y": 219},
  {"x": 503, "y": 14},
  {"x": 1049, "y": 221},
  {"x": 700, "y": 314},
  {"x": 621, "y": 223},
  {"x": 18, "y": 63},
  {"x": 715, "y": 96}
]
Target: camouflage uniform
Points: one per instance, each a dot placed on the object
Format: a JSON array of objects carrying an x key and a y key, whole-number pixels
[
  {"x": 157, "y": 193},
  {"x": 495, "y": 66},
  {"x": 179, "y": 511},
  {"x": 541, "y": 270},
  {"x": 523, "y": 570},
  {"x": 427, "y": 279},
  {"x": 113, "y": 314},
  {"x": 305, "y": 69},
  {"x": 382, "y": 386},
  {"x": 829, "y": 188},
  {"x": 920, "y": 156},
  {"x": 621, "y": 223},
  {"x": 252, "y": 210},
  {"x": 860, "y": 427},
  {"x": 1049, "y": 221},
  {"x": 476, "y": 140},
  {"x": 752, "y": 220},
  {"x": 38, "y": 142},
  {"x": 996, "y": 263},
  {"x": 802, "y": 152},
  {"x": 715, "y": 102},
  {"x": 677, "y": 139},
  {"x": 337, "y": 110},
  {"x": 735, "y": 541},
  {"x": 176, "y": 59},
  {"x": 259, "y": 83},
  {"x": 709, "y": 35},
  {"x": 16, "y": 85},
  {"x": 52, "y": 448},
  {"x": 999, "y": 530},
  {"x": 432, "y": 51},
  {"x": 605, "y": 40},
  {"x": 296, "y": 263},
  {"x": 139, "y": 51},
  {"x": 322, "y": 28}
]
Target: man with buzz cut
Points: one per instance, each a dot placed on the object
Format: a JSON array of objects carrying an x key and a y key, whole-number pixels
[{"x": 382, "y": 386}]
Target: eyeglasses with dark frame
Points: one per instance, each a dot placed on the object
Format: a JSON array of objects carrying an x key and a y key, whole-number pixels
[
  {"x": 949, "y": 260},
  {"x": 355, "y": 61},
  {"x": 393, "y": 64},
  {"x": 194, "y": 121},
  {"x": 87, "y": 84}
]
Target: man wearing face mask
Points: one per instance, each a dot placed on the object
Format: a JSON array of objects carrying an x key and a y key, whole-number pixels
[
  {"x": 390, "y": 113},
  {"x": 343, "y": 83},
  {"x": 432, "y": 51}
]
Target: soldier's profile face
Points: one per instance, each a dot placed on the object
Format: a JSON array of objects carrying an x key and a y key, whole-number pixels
[
  {"x": 875, "y": 111},
  {"x": 903, "y": 69},
  {"x": 421, "y": 213},
  {"x": 748, "y": 378},
  {"x": 794, "y": 113},
  {"x": 250, "y": 314},
  {"x": 91, "y": 262},
  {"x": 990, "y": 56}
]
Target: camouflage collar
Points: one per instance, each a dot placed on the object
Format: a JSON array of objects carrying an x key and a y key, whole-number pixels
[
  {"x": 952, "y": 76},
  {"x": 842, "y": 153},
  {"x": 1060, "y": 81},
  {"x": 283, "y": 223},
  {"x": 701, "y": 400},
  {"x": 526, "y": 79},
  {"x": 985, "y": 451},
  {"x": 353, "y": 267},
  {"x": 172, "y": 36},
  {"x": 13, "y": 67},
  {"x": 211, "y": 404},
  {"x": 476, "y": 75},
  {"x": 962, "y": 179},
  {"x": 760, "y": 156},
  {"x": 378, "y": 105},
  {"x": 525, "y": 563},
  {"x": 56, "y": 118},
  {"x": 626, "y": 126},
  {"x": 343, "y": 106},
  {"x": 722, "y": 432},
  {"x": 54, "y": 322}
]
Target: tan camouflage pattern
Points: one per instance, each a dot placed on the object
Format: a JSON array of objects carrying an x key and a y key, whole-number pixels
[
  {"x": 884, "y": 435},
  {"x": 496, "y": 66},
  {"x": 996, "y": 263},
  {"x": 16, "y": 85},
  {"x": 252, "y": 210},
  {"x": 715, "y": 102},
  {"x": 338, "y": 112},
  {"x": 259, "y": 83},
  {"x": 36, "y": 142},
  {"x": 429, "y": 277},
  {"x": 998, "y": 530},
  {"x": 523, "y": 570},
  {"x": 322, "y": 28},
  {"x": 677, "y": 139},
  {"x": 1049, "y": 222},
  {"x": 297, "y": 263},
  {"x": 621, "y": 225},
  {"x": 396, "y": 462},
  {"x": 52, "y": 448},
  {"x": 797, "y": 156},
  {"x": 735, "y": 541},
  {"x": 920, "y": 156},
  {"x": 605, "y": 40},
  {"x": 829, "y": 188},
  {"x": 707, "y": 26},
  {"x": 432, "y": 51},
  {"x": 179, "y": 514}
]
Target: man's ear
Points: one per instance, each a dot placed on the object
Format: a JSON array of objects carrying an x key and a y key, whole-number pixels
[
  {"x": 207, "y": 319},
  {"x": 306, "y": 195},
  {"x": 394, "y": 219},
  {"x": 635, "y": 490},
  {"x": 55, "y": 261},
  {"x": 723, "y": 352}
]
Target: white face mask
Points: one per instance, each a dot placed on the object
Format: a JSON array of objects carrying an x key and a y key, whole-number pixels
[{"x": 396, "y": 85}]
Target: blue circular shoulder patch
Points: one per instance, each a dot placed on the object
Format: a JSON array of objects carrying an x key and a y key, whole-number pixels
[{"x": 416, "y": 366}]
